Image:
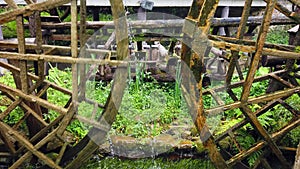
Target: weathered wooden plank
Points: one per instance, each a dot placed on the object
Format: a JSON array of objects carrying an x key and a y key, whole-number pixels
[
  {"x": 21, "y": 49},
  {"x": 256, "y": 124},
  {"x": 282, "y": 81},
  {"x": 8, "y": 142},
  {"x": 244, "y": 122},
  {"x": 254, "y": 100},
  {"x": 251, "y": 49},
  {"x": 282, "y": 47},
  {"x": 29, "y": 153},
  {"x": 259, "y": 48}
]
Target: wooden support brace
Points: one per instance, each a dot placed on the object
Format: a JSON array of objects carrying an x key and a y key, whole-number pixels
[
  {"x": 34, "y": 77},
  {"x": 262, "y": 110},
  {"x": 240, "y": 34},
  {"x": 282, "y": 81},
  {"x": 7, "y": 141},
  {"x": 57, "y": 132},
  {"x": 216, "y": 97},
  {"x": 289, "y": 108},
  {"x": 275, "y": 136},
  {"x": 32, "y": 98},
  {"x": 96, "y": 137},
  {"x": 256, "y": 124},
  {"x": 254, "y": 100},
  {"x": 29, "y": 9},
  {"x": 29, "y": 146}
]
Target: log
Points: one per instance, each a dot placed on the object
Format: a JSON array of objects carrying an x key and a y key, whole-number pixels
[{"x": 174, "y": 23}]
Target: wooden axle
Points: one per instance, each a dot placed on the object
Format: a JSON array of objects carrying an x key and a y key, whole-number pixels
[
  {"x": 159, "y": 24},
  {"x": 272, "y": 61}
]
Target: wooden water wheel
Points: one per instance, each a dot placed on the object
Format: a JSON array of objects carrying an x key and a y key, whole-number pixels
[{"x": 21, "y": 144}]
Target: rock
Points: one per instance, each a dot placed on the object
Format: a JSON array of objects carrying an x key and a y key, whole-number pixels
[
  {"x": 130, "y": 147},
  {"x": 186, "y": 135}
]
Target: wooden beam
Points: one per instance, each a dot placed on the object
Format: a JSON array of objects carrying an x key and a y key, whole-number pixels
[
  {"x": 292, "y": 15},
  {"x": 74, "y": 51},
  {"x": 32, "y": 98},
  {"x": 29, "y": 9},
  {"x": 83, "y": 39}
]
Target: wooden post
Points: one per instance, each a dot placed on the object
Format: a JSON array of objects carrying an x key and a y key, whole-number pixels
[
  {"x": 225, "y": 14},
  {"x": 74, "y": 51},
  {"x": 83, "y": 39}
]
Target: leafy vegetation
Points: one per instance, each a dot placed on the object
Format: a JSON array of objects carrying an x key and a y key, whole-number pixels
[
  {"x": 109, "y": 163},
  {"x": 148, "y": 107},
  {"x": 277, "y": 35}
]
